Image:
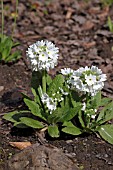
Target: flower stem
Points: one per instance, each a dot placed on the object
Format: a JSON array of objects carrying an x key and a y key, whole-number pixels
[
  {"x": 44, "y": 81},
  {"x": 15, "y": 17},
  {"x": 2, "y": 6}
]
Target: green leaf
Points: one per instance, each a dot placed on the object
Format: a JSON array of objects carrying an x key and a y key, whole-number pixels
[
  {"x": 96, "y": 101},
  {"x": 106, "y": 131},
  {"x": 25, "y": 96},
  {"x": 36, "y": 97},
  {"x": 71, "y": 129},
  {"x": 105, "y": 101},
  {"x": 53, "y": 118},
  {"x": 15, "y": 115},
  {"x": 34, "y": 107},
  {"x": 31, "y": 122},
  {"x": 63, "y": 114},
  {"x": 20, "y": 125},
  {"x": 55, "y": 84},
  {"x": 48, "y": 79},
  {"x": 106, "y": 113},
  {"x": 110, "y": 24},
  {"x": 70, "y": 113},
  {"x": 80, "y": 116},
  {"x": 7, "y": 47},
  {"x": 13, "y": 57},
  {"x": 53, "y": 131},
  {"x": 15, "y": 44}
]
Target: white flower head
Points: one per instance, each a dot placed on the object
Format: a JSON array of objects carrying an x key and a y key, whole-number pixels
[
  {"x": 88, "y": 80},
  {"x": 84, "y": 106},
  {"x": 63, "y": 92},
  {"x": 67, "y": 71},
  {"x": 43, "y": 55},
  {"x": 49, "y": 102}
]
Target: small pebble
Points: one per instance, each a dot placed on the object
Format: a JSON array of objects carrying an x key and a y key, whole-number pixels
[
  {"x": 69, "y": 141},
  {"x": 1, "y": 88}
]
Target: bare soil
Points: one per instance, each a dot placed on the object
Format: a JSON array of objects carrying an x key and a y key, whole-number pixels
[{"x": 80, "y": 30}]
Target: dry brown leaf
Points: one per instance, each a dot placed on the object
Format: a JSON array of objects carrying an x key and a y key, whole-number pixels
[
  {"x": 94, "y": 10},
  {"x": 104, "y": 13},
  {"x": 89, "y": 45},
  {"x": 69, "y": 13},
  {"x": 20, "y": 145},
  {"x": 88, "y": 25}
]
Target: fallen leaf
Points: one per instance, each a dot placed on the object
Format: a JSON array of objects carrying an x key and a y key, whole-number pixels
[
  {"x": 20, "y": 145},
  {"x": 104, "y": 13},
  {"x": 94, "y": 10},
  {"x": 88, "y": 25},
  {"x": 69, "y": 13},
  {"x": 89, "y": 45}
]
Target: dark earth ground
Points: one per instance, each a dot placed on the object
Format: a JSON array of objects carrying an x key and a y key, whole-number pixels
[{"x": 80, "y": 31}]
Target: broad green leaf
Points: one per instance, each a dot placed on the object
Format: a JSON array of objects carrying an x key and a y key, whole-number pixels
[
  {"x": 13, "y": 57},
  {"x": 31, "y": 122},
  {"x": 70, "y": 113},
  {"x": 96, "y": 101},
  {"x": 48, "y": 79},
  {"x": 15, "y": 115},
  {"x": 71, "y": 129},
  {"x": 106, "y": 113},
  {"x": 20, "y": 125},
  {"x": 57, "y": 115},
  {"x": 63, "y": 114},
  {"x": 34, "y": 107},
  {"x": 53, "y": 118},
  {"x": 7, "y": 47},
  {"x": 36, "y": 97},
  {"x": 80, "y": 116},
  {"x": 40, "y": 91},
  {"x": 15, "y": 44},
  {"x": 106, "y": 131},
  {"x": 110, "y": 24},
  {"x": 105, "y": 101},
  {"x": 55, "y": 84},
  {"x": 25, "y": 96},
  {"x": 53, "y": 131},
  {"x": 67, "y": 101}
]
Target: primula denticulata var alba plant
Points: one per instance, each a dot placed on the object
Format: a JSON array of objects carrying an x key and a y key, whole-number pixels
[{"x": 70, "y": 102}]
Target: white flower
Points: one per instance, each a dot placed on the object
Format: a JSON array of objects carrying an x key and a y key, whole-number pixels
[
  {"x": 63, "y": 92},
  {"x": 90, "y": 79},
  {"x": 93, "y": 116},
  {"x": 84, "y": 106},
  {"x": 87, "y": 80},
  {"x": 67, "y": 71},
  {"x": 49, "y": 102},
  {"x": 43, "y": 55}
]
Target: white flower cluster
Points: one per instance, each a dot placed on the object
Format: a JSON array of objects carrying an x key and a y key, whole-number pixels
[
  {"x": 86, "y": 80},
  {"x": 50, "y": 103},
  {"x": 67, "y": 71},
  {"x": 43, "y": 55},
  {"x": 90, "y": 112}
]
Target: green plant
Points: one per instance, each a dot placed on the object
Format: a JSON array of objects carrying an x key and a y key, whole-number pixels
[
  {"x": 43, "y": 107},
  {"x": 107, "y": 2},
  {"x": 96, "y": 111},
  {"x": 70, "y": 102},
  {"x": 7, "y": 43},
  {"x": 110, "y": 24},
  {"x": 15, "y": 17}
]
